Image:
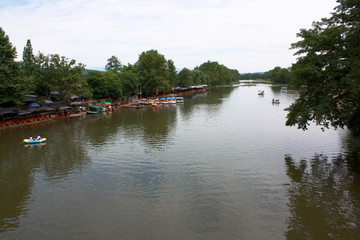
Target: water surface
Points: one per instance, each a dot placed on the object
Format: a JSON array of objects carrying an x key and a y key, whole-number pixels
[{"x": 222, "y": 165}]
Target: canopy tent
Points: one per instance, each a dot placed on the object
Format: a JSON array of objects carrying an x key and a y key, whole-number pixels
[
  {"x": 75, "y": 103},
  {"x": 60, "y": 106},
  {"x": 47, "y": 102},
  {"x": 32, "y": 105}
]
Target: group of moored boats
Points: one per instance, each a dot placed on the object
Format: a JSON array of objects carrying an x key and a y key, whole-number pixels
[{"x": 155, "y": 102}]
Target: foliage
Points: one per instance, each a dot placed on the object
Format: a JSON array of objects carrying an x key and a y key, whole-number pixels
[
  {"x": 28, "y": 63},
  {"x": 198, "y": 77},
  {"x": 96, "y": 82},
  {"x": 112, "y": 84},
  {"x": 12, "y": 85},
  {"x": 172, "y": 73},
  {"x": 185, "y": 78},
  {"x": 328, "y": 71},
  {"x": 113, "y": 63},
  {"x": 278, "y": 75},
  {"x": 129, "y": 80},
  {"x": 251, "y": 76},
  {"x": 58, "y": 74},
  {"x": 219, "y": 74},
  {"x": 153, "y": 72}
]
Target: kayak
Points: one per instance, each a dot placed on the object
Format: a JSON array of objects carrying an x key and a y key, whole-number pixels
[{"x": 32, "y": 141}]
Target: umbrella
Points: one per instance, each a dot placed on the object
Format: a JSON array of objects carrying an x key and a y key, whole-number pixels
[
  {"x": 75, "y": 103},
  {"x": 48, "y": 101},
  {"x": 107, "y": 103},
  {"x": 32, "y": 105}
]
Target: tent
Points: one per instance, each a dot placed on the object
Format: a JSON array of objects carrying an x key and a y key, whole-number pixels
[
  {"x": 47, "y": 102},
  {"x": 32, "y": 105},
  {"x": 75, "y": 103}
]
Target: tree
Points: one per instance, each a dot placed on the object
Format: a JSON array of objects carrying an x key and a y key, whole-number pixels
[
  {"x": 328, "y": 71},
  {"x": 172, "y": 73},
  {"x": 153, "y": 72},
  {"x": 129, "y": 80},
  {"x": 56, "y": 73},
  {"x": 218, "y": 74},
  {"x": 12, "y": 85},
  {"x": 278, "y": 75},
  {"x": 96, "y": 82},
  {"x": 199, "y": 77},
  {"x": 28, "y": 63},
  {"x": 112, "y": 85},
  {"x": 113, "y": 63},
  {"x": 185, "y": 78}
]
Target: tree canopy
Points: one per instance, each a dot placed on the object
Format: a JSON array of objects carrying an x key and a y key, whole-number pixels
[
  {"x": 153, "y": 71},
  {"x": 218, "y": 74},
  {"x": 113, "y": 63},
  {"x": 12, "y": 86},
  {"x": 328, "y": 71},
  {"x": 54, "y": 73},
  {"x": 28, "y": 59}
]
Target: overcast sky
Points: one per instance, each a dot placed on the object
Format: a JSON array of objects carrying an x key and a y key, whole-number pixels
[{"x": 247, "y": 35}]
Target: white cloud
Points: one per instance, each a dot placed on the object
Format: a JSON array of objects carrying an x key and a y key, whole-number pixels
[{"x": 245, "y": 35}]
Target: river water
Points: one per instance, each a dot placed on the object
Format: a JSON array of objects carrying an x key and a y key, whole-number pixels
[{"x": 222, "y": 165}]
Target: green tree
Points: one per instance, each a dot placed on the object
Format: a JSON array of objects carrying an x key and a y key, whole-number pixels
[
  {"x": 153, "y": 72},
  {"x": 112, "y": 82},
  {"x": 185, "y": 78},
  {"x": 12, "y": 86},
  {"x": 129, "y": 80},
  {"x": 28, "y": 57},
  {"x": 96, "y": 82},
  {"x": 328, "y": 71},
  {"x": 172, "y": 73},
  {"x": 198, "y": 77},
  {"x": 278, "y": 75},
  {"x": 56, "y": 73},
  {"x": 113, "y": 63},
  {"x": 218, "y": 74}
]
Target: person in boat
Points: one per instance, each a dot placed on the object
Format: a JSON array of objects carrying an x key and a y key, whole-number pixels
[
  {"x": 38, "y": 138},
  {"x": 31, "y": 138}
]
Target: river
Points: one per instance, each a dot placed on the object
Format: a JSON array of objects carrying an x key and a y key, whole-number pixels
[{"x": 222, "y": 165}]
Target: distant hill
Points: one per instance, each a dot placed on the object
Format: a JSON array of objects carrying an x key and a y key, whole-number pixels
[{"x": 86, "y": 71}]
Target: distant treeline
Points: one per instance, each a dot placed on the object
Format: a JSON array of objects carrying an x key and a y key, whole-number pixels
[
  {"x": 57, "y": 76},
  {"x": 276, "y": 75}
]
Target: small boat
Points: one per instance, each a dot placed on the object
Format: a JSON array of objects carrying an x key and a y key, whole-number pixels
[
  {"x": 179, "y": 99},
  {"x": 261, "y": 92},
  {"x": 95, "y": 108},
  {"x": 34, "y": 141},
  {"x": 92, "y": 112},
  {"x": 277, "y": 101}
]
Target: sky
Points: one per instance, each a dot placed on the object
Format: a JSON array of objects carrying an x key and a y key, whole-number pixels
[{"x": 247, "y": 35}]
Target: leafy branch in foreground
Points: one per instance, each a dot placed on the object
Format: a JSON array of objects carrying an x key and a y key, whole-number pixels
[{"x": 328, "y": 71}]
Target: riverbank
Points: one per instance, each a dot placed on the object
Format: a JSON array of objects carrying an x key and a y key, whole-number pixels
[
  {"x": 8, "y": 124},
  {"x": 20, "y": 117}
]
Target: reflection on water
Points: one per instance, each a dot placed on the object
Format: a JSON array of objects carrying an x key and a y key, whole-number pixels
[
  {"x": 20, "y": 164},
  {"x": 210, "y": 168},
  {"x": 324, "y": 196}
]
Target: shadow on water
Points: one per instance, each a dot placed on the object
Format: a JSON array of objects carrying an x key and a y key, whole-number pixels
[{"x": 324, "y": 195}]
